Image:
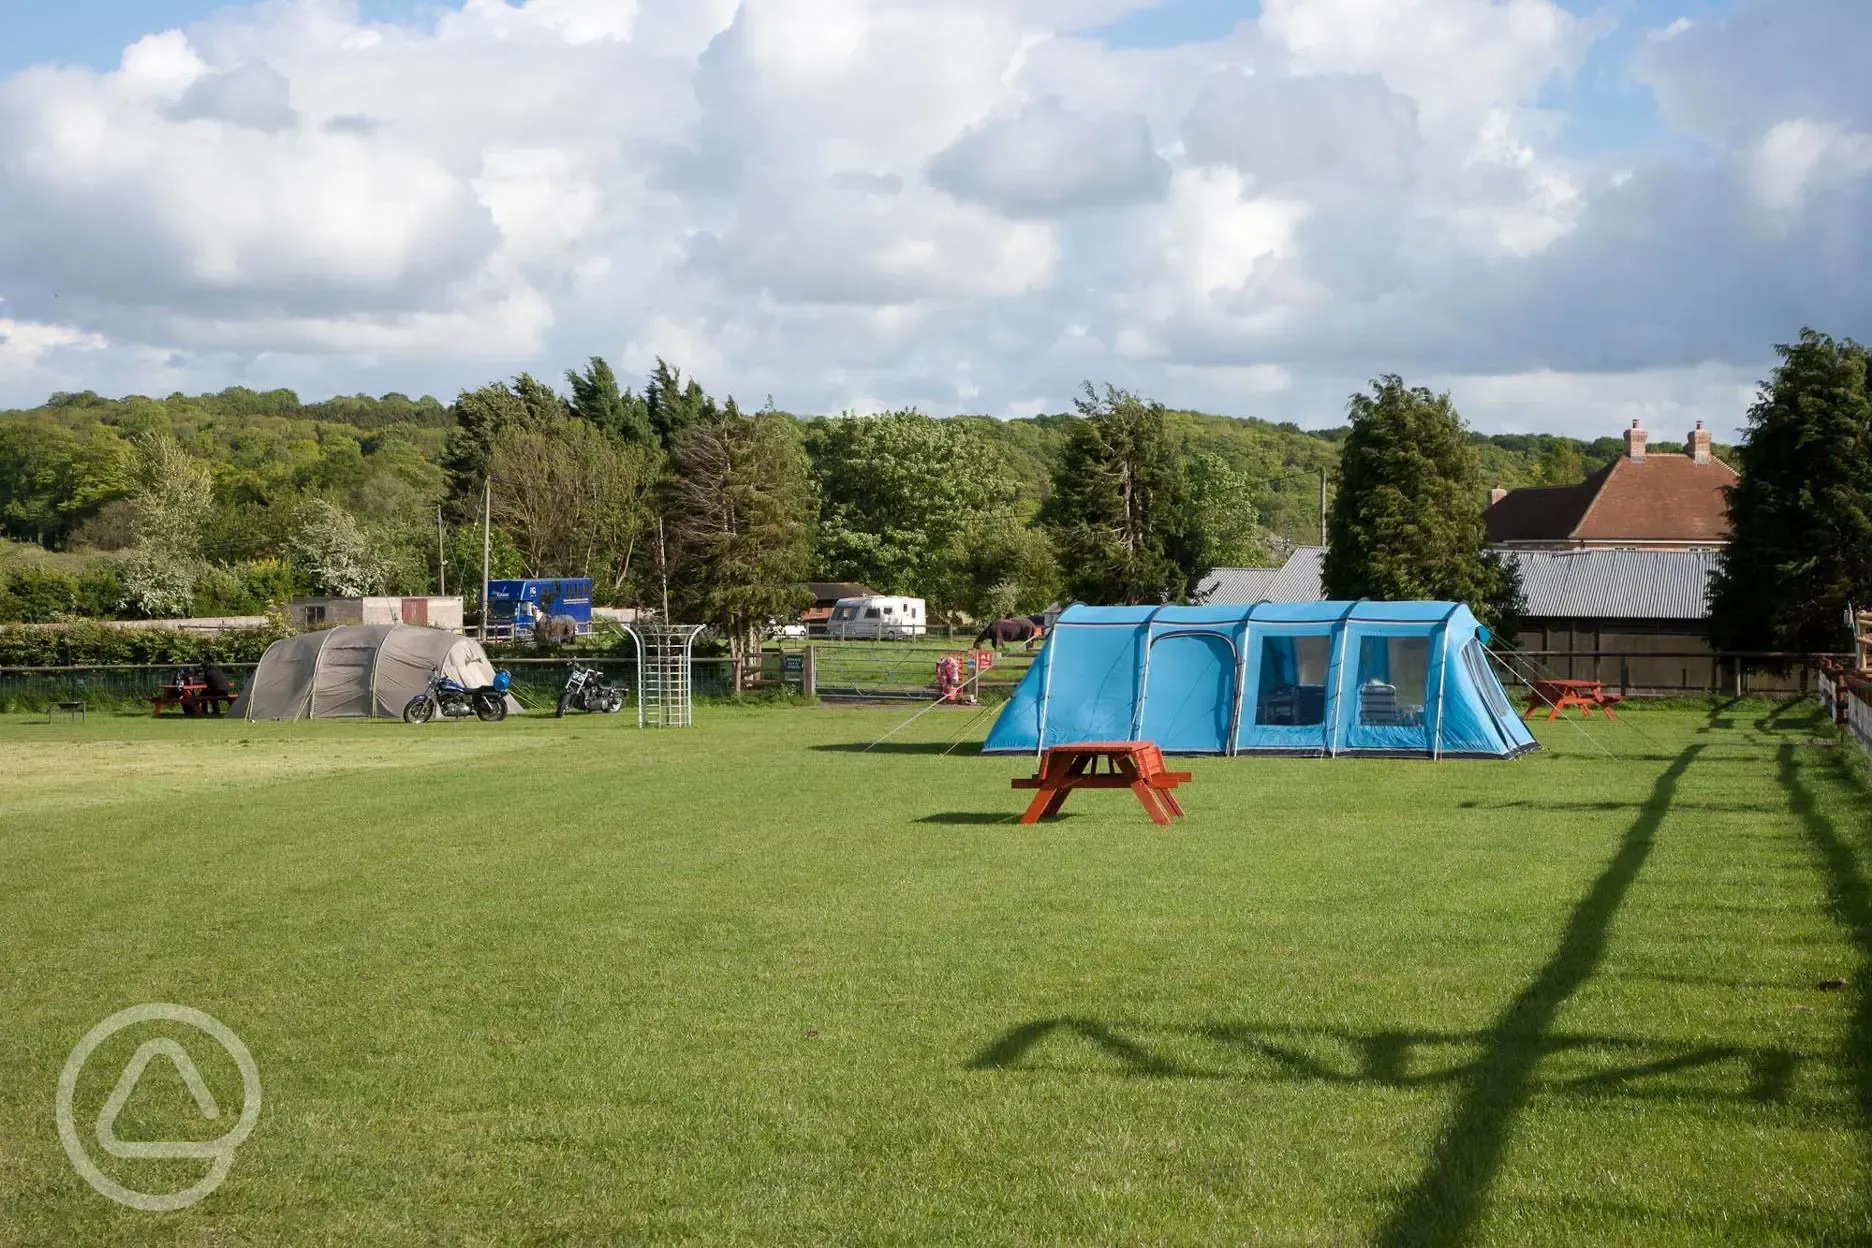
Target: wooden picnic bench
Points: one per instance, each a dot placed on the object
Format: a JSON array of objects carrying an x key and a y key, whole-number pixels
[
  {"x": 1557, "y": 695},
  {"x": 193, "y": 697},
  {"x": 1134, "y": 765}
]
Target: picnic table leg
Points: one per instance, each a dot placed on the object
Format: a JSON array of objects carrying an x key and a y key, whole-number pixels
[
  {"x": 1042, "y": 805},
  {"x": 1145, "y": 794}
]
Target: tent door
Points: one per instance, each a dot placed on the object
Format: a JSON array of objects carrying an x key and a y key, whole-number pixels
[{"x": 1189, "y": 700}]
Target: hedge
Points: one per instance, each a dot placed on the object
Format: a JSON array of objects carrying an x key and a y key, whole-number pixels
[{"x": 91, "y": 644}]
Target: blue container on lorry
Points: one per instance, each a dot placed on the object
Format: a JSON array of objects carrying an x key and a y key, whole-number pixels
[{"x": 555, "y": 596}]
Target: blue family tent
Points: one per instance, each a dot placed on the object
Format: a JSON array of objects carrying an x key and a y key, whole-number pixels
[{"x": 1377, "y": 678}]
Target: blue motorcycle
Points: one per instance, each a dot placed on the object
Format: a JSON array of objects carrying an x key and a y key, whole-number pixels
[{"x": 453, "y": 700}]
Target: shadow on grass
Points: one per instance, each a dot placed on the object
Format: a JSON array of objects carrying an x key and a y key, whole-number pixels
[
  {"x": 1447, "y": 1200},
  {"x": 1393, "y": 1059},
  {"x": 979, "y": 817},
  {"x": 1852, "y": 906},
  {"x": 1742, "y": 808},
  {"x": 956, "y": 749}
]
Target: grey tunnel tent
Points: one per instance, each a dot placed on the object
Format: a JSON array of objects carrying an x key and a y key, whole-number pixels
[{"x": 359, "y": 671}]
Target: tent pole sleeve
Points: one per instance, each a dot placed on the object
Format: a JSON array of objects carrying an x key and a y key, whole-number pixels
[
  {"x": 1046, "y": 686},
  {"x": 1344, "y": 629},
  {"x": 1441, "y": 637},
  {"x": 1137, "y": 711},
  {"x": 318, "y": 660},
  {"x": 1241, "y": 680}
]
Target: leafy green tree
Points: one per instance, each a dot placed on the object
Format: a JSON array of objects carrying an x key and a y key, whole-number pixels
[
  {"x": 1560, "y": 463},
  {"x": 173, "y": 493},
  {"x": 673, "y": 405},
  {"x": 463, "y": 548},
  {"x": 597, "y": 399},
  {"x": 480, "y": 415},
  {"x": 1120, "y": 512},
  {"x": 331, "y": 554},
  {"x": 898, "y": 494},
  {"x": 1225, "y": 523},
  {"x": 739, "y": 502},
  {"x": 1407, "y": 520},
  {"x": 1800, "y": 546},
  {"x": 575, "y": 500},
  {"x": 1007, "y": 569}
]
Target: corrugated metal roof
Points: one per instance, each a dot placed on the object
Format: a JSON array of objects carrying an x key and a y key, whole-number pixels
[
  {"x": 1557, "y": 584},
  {"x": 1298, "y": 580},
  {"x": 1616, "y": 584}
]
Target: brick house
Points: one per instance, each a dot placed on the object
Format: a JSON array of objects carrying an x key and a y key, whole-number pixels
[{"x": 1642, "y": 500}]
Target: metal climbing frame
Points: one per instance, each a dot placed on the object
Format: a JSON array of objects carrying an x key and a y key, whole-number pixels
[{"x": 665, "y": 696}]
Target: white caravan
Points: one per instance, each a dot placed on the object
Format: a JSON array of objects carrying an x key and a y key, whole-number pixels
[{"x": 879, "y": 616}]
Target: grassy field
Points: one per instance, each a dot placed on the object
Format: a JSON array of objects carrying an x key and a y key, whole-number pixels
[{"x": 569, "y": 982}]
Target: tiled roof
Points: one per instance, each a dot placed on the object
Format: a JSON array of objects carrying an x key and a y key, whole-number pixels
[
  {"x": 1615, "y": 584},
  {"x": 1661, "y": 498}
]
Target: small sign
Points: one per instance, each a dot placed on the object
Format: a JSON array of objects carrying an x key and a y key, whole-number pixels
[{"x": 793, "y": 664}]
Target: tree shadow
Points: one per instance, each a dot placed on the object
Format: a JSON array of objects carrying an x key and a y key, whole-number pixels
[
  {"x": 1851, "y": 898},
  {"x": 1395, "y": 1059},
  {"x": 1446, "y": 1202},
  {"x": 1743, "y": 808}
]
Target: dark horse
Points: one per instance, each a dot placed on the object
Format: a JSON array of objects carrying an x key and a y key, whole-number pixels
[{"x": 1027, "y": 628}]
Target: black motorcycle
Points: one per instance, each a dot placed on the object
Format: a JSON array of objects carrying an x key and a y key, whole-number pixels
[
  {"x": 587, "y": 690},
  {"x": 453, "y": 700}
]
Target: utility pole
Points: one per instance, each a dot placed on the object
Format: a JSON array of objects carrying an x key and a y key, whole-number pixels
[
  {"x": 441, "y": 558},
  {"x": 1322, "y": 506},
  {"x": 663, "y": 568},
  {"x": 487, "y": 543}
]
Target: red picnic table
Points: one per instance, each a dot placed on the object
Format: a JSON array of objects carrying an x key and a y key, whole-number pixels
[
  {"x": 1134, "y": 765},
  {"x": 192, "y": 696},
  {"x": 1557, "y": 695}
]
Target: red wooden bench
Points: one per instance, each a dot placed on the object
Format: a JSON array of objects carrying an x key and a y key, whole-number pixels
[
  {"x": 193, "y": 698},
  {"x": 1134, "y": 765},
  {"x": 1557, "y": 695}
]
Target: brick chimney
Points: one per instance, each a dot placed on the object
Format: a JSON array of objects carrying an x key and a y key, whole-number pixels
[
  {"x": 1698, "y": 444},
  {"x": 1496, "y": 495},
  {"x": 1635, "y": 439}
]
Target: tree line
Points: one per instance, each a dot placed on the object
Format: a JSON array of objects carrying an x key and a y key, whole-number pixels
[{"x": 670, "y": 499}]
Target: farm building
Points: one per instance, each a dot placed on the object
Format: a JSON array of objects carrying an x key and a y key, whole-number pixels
[{"x": 433, "y": 611}]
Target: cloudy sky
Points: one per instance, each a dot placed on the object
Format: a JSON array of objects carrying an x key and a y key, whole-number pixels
[{"x": 1569, "y": 212}]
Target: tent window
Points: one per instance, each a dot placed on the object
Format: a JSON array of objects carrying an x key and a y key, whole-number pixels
[
  {"x": 1485, "y": 680},
  {"x": 1392, "y": 674},
  {"x": 1293, "y": 681}
]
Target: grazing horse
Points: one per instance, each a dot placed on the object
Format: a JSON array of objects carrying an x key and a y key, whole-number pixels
[{"x": 1015, "y": 628}]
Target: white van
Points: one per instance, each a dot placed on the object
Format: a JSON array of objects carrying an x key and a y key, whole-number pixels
[{"x": 879, "y": 616}]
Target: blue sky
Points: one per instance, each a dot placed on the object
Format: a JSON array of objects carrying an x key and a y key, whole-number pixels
[{"x": 95, "y": 32}]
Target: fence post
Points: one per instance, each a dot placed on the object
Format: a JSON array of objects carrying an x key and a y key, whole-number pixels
[{"x": 809, "y": 675}]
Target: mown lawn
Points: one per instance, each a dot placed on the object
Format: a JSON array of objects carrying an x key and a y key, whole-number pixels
[{"x": 570, "y": 982}]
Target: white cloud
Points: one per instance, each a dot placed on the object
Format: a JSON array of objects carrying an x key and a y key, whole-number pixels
[
  {"x": 848, "y": 203},
  {"x": 1798, "y": 156}
]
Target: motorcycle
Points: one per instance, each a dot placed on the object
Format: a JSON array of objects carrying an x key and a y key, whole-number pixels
[
  {"x": 453, "y": 700},
  {"x": 587, "y": 690}
]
